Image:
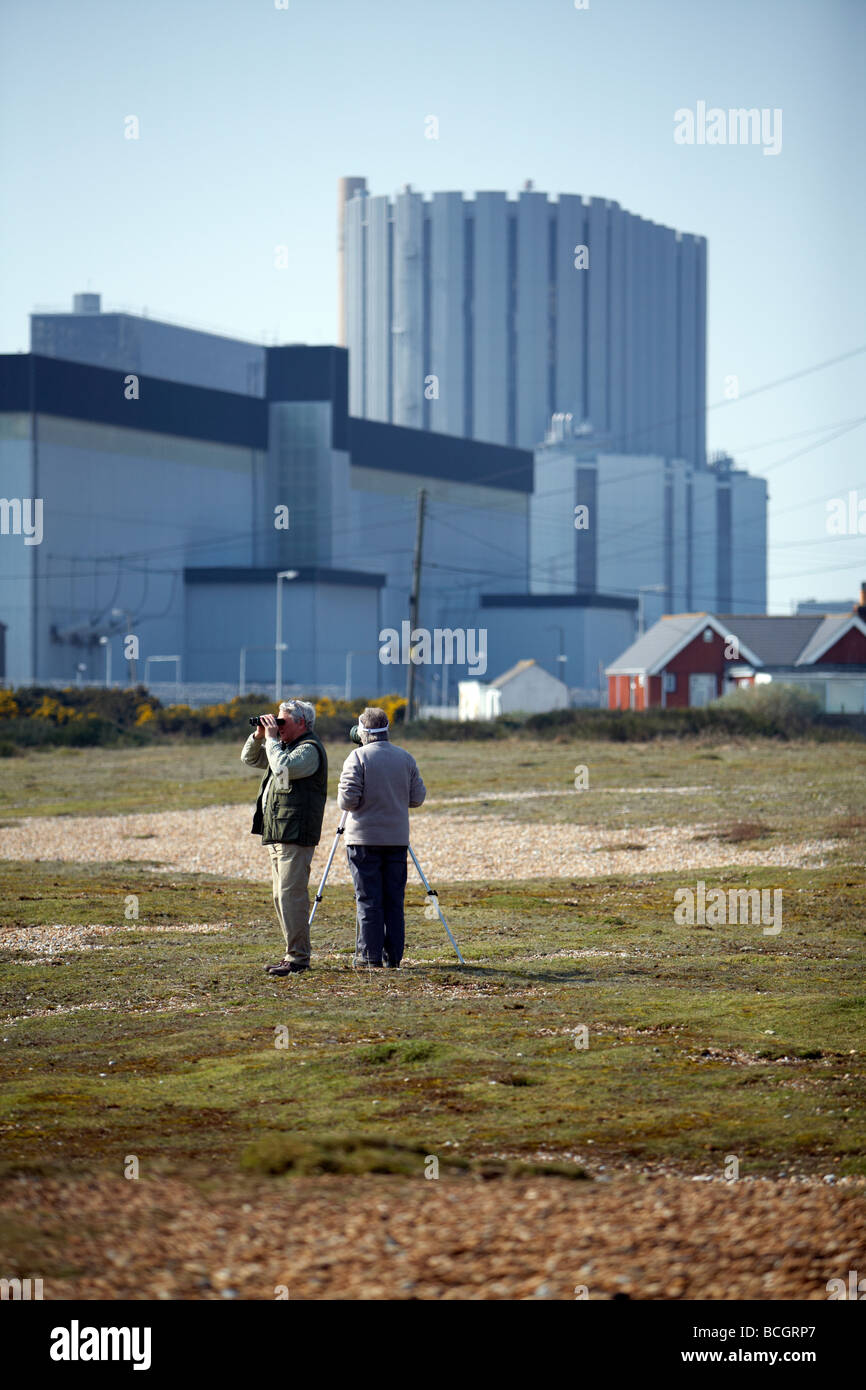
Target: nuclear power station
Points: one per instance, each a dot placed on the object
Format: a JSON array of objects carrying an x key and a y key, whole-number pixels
[{"x": 535, "y": 365}]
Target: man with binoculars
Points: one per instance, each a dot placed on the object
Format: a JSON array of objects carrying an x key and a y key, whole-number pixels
[{"x": 288, "y": 816}]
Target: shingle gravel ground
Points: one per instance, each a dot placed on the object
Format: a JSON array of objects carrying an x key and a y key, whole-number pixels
[
  {"x": 456, "y": 1238},
  {"x": 452, "y": 847}
]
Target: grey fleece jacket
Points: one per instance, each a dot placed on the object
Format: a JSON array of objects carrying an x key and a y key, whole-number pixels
[{"x": 378, "y": 784}]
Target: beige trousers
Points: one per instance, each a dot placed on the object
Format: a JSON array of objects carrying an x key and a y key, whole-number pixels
[{"x": 290, "y": 872}]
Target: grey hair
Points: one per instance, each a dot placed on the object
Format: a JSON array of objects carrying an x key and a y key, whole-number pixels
[
  {"x": 374, "y": 722},
  {"x": 300, "y": 709}
]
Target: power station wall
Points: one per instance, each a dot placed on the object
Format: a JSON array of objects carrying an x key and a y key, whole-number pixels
[
  {"x": 633, "y": 517},
  {"x": 136, "y": 499},
  {"x": 554, "y": 542},
  {"x": 378, "y": 310},
  {"x": 704, "y": 559},
  {"x": 588, "y": 635},
  {"x": 447, "y": 271},
  {"x": 678, "y": 544},
  {"x": 322, "y": 622},
  {"x": 123, "y": 511},
  {"x": 490, "y": 320},
  {"x": 128, "y": 511},
  {"x": 475, "y": 540},
  {"x": 522, "y": 308},
  {"x": 356, "y": 301},
  {"x": 18, "y": 561},
  {"x": 147, "y": 347},
  {"x": 690, "y": 538},
  {"x": 748, "y": 543},
  {"x": 408, "y": 348},
  {"x": 309, "y": 479}
]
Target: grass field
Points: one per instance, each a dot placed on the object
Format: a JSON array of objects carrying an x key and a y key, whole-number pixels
[
  {"x": 801, "y": 788},
  {"x": 145, "y": 1038}
]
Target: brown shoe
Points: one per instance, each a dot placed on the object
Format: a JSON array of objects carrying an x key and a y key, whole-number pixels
[
  {"x": 276, "y": 964},
  {"x": 289, "y": 967}
]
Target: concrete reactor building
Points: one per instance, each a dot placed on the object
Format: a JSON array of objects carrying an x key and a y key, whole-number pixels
[{"x": 484, "y": 316}]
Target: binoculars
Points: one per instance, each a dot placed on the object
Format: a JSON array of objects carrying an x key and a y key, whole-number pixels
[{"x": 354, "y": 733}]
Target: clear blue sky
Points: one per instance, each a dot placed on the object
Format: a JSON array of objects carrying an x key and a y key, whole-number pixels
[{"x": 250, "y": 114}]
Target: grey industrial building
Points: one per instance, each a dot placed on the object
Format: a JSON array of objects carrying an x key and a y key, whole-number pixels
[
  {"x": 569, "y": 496},
  {"x": 486, "y": 315}
]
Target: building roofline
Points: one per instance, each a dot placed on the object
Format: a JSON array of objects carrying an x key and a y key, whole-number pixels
[
  {"x": 264, "y": 574},
  {"x": 854, "y": 620},
  {"x": 429, "y": 454},
  {"x": 32, "y": 383},
  {"x": 81, "y": 391},
  {"x": 594, "y": 600},
  {"x": 683, "y": 640}
]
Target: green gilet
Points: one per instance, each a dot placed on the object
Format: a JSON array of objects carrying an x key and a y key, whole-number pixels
[{"x": 294, "y": 816}]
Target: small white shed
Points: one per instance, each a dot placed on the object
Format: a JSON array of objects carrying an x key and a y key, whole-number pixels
[{"x": 526, "y": 687}]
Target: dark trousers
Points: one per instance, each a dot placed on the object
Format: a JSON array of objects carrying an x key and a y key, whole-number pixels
[{"x": 379, "y": 875}]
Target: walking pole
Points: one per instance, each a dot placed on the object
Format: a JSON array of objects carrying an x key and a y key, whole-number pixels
[
  {"x": 318, "y": 898},
  {"x": 434, "y": 898}
]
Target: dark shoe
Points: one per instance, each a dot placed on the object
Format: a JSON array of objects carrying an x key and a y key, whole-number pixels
[
  {"x": 275, "y": 965},
  {"x": 360, "y": 960},
  {"x": 289, "y": 967},
  {"x": 392, "y": 964}
]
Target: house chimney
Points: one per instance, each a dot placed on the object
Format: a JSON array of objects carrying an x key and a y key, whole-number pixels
[{"x": 860, "y": 609}]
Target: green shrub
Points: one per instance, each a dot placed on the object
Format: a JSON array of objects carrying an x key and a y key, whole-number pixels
[
  {"x": 352, "y": 1154},
  {"x": 411, "y": 1050},
  {"x": 89, "y": 732},
  {"x": 452, "y": 730},
  {"x": 788, "y": 707},
  {"x": 38, "y": 717}
]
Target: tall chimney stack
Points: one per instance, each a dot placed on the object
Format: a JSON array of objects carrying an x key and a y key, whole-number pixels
[{"x": 860, "y": 609}]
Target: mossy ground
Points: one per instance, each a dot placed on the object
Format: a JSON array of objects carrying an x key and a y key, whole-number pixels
[
  {"x": 794, "y": 790},
  {"x": 177, "y": 1048},
  {"x": 174, "y": 1047}
]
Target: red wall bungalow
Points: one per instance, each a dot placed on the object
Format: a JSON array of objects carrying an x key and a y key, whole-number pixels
[{"x": 692, "y": 658}]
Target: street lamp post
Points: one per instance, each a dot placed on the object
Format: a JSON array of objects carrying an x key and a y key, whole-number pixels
[
  {"x": 562, "y": 658},
  {"x": 646, "y": 589},
  {"x": 242, "y": 674},
  {"x": 359, "y": 651},
  {"x": 106, "y": 643},
  {"x": 176, "y": 660},
  {"x": 122, "y": 613},
  {"x": 279, "y": 645}
]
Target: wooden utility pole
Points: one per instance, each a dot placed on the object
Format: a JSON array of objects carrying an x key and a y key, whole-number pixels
[{"x": 413, "y": 602}]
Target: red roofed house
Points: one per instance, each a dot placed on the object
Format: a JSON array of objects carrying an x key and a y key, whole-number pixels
[{"x": 692, "y": 658}]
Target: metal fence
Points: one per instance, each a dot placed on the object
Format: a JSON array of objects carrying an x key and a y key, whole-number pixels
[
  {"x": 438, "y": 712},
  {"x": 200, "y": 693}
]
